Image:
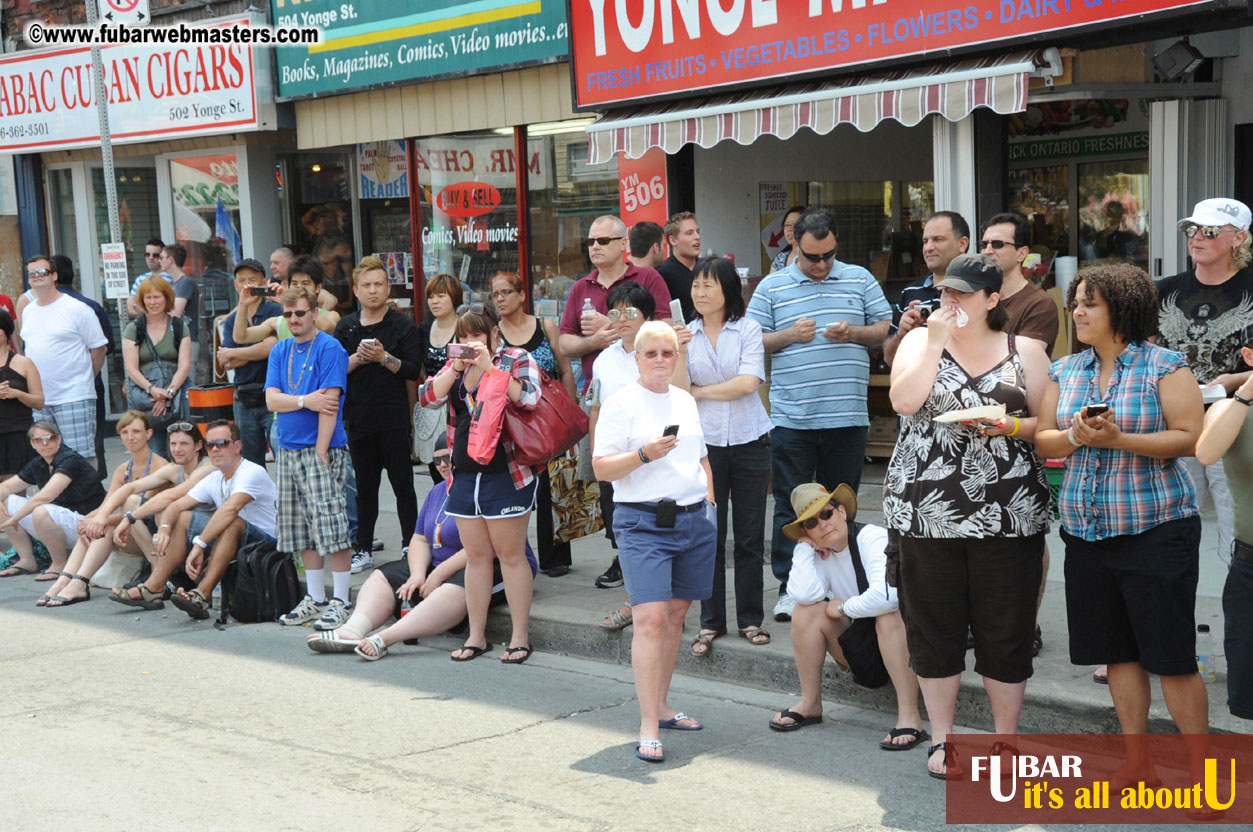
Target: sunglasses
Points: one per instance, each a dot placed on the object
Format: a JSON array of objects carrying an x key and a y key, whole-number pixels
[
  {"x": 218, "y": 443},
  {"x": 472, "y": 308},
  {"x": 601, "y": 241},
  {"x": 295, "y": 313},
  {"x": 996, "y": 245},
  {"x": 827, "y": 514},
  {"x": 39, "y": 272},
  {"x": 653, "y": 354},
  {"x": 44, "y": 440},
  {"x": 818, "y": 258},
  {"x": 1211, "y": 232},
  {"x": 628, "y": 312},
  {"x": 152, "y": 254},
  {"x": 174, "y": 427},
  {"x": 443, "y": 459}
]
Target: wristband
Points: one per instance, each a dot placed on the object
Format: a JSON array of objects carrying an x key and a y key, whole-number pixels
[
  {"x": 643, "y": 456},
  {"x": 300, "y": 402},
  {"x": 163, "y": 526},
  {"x": 199, "y": 541},
  {"x": 1070, "y": 434},
  {"x": 1017, "y": 425},
  {"x": 1241, "y": 399},
  {"x": 130, "y": 518}
]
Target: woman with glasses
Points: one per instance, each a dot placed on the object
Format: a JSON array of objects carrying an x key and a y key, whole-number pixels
[
  {"x": 967, "y": 496},
  {"x": 156, "y": 351},
  {"x": 650, "y": 444},
  {"x": 435, "y": 333},
  {"x": 95, "y": 541},
  {"x": 492, "y": 501},
  {"x": 425, "y": 592},
  {"x": 21, "y": 391},
  {"x": 726, "y": 363},
  {"x": 539, "y": 338},
  {"x": 68, "y": 488}
]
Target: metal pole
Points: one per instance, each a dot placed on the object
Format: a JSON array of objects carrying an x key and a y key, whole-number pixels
[{"x": 106, "y": 146}]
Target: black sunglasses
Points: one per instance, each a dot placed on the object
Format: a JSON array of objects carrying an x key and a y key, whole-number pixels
[
  {"x": 818, "y": 258},
  {"x": 601, "y": 241},
  {"x": 218, "y": 443},
  {"x": 38, "y": 272},
  {"x": 827, "y": 514},
  {"x": 997, "y": 245},
  {"x": 185, "y": 427},
  {"x": 295, "y": 313},
  {"x": 1210, "y": 232}
]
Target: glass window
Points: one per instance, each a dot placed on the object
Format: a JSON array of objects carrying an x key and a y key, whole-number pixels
[
  {"x": 65, "y": 225},
  {"x": 1113, "y": 212},
  {"x": 1042, "y": 195},
  {"x": 383, "y": 169},
  {"x": 321, "y": 202}
]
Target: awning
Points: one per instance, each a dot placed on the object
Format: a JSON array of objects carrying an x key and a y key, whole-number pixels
[{"x": 952, "y": 91}]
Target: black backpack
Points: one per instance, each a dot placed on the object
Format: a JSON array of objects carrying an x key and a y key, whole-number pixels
[{"x": 259, "y": 585}]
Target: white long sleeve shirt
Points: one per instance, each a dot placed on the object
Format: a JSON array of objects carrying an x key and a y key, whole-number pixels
[{"x": 820, "y": 576}]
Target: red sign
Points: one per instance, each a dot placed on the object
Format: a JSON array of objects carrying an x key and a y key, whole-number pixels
[
  {"x": 642, "y": 188},
  {"x": 667, "y": 47},
  {"x": 468, "y": 199}
]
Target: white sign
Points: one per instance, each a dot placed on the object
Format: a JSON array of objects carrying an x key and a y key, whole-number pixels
[
  {"x": 127, "y": 12},
  {"x": 47, "y": 98},
  {"x": 442, "y": 162},
  {"x": 384, "y": 169},
  {"x": 117, "y": 282}
]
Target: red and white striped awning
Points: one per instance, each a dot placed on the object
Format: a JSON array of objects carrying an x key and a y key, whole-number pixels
[{"x": 951, "y": 90}]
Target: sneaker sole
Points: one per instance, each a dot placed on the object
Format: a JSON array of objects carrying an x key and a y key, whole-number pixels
[
  {"x": 297, "y": 622},
  {"x": 322, "y": 626},
  {"x": 608, "y": 584}
]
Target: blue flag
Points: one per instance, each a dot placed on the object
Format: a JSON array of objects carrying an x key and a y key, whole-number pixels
[{"x": 225, "y": 231}]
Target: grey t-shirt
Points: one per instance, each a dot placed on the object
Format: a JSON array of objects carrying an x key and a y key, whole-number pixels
[{"x": 187, "y": 287}]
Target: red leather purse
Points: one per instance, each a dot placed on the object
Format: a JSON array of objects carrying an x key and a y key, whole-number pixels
[
  {"x": 486, "y": 421},
  {"x": 555, "y": 425}
]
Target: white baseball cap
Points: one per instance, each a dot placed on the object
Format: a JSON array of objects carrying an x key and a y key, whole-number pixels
[{"x": 1219, "y": 212}]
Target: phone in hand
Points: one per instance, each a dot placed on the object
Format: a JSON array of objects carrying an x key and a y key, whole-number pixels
[
  {"x": 671, "y": 430},
  {"x": 370, "y": 342},
  {"x": 1094, "y": 410},
  {"x": 261, "y": 291},
  {"x": 465, "y": 352},
  {"x": 676, "y": 312}
]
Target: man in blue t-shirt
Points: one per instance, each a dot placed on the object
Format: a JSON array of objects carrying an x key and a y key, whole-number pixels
[
  {"x": 304, "y": 386},
  {"x": 249, "y": 362}
]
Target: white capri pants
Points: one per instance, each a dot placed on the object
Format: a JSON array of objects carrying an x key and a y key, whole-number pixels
[{"x": 66, "y": 519}]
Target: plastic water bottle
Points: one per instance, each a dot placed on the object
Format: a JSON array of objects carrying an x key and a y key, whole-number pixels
[
  {"x": 1206, "y": 659},
  {"x": 405, "y": 607}
]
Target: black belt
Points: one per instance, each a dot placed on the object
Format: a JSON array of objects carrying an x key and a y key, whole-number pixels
[
  {"x": 1243, "y": 551},
  {"x": 697, "y": 506}
]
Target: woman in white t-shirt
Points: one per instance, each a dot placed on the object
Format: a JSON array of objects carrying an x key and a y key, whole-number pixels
[{"x": 649, "y": 443}]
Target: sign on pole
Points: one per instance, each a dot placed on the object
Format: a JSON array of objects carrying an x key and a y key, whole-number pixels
[
  {"x": 128, "y": 12},
  {"x": 117, "y": 283}
]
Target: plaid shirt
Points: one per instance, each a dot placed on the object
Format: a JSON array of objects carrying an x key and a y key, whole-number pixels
[
  {"x": 1107, "y": 493},
  {"x": 527, "y": 372}
]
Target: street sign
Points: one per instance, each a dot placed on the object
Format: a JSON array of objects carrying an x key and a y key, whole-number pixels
[
  {"x": 127, "y": 12},
  {"x": 116, "y": 281}
]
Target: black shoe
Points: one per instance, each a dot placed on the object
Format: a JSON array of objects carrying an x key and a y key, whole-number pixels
[
  {"x": 1037, "y": 642},
  {"x": 557, "y": 571},
  {"x": 612, "y": 576}
]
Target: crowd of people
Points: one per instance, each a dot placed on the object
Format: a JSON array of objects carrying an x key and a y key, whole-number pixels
[{"x": 685, "y": 450}]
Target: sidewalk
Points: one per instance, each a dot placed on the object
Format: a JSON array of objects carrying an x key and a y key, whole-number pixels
[{"x": 1060, "y": 698}]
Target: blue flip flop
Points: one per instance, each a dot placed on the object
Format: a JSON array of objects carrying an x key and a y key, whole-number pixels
[
  {"x": 653, "y": 744},
  {"x": 673, "y": 723}
]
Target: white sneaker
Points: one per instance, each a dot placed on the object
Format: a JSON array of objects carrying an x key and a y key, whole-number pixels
[
  {"x": 307, "y": 610},
  {"x": 783, "y": 609},
  {"x": 361, "y": 559},
  {"x": 335, "y": 615}
]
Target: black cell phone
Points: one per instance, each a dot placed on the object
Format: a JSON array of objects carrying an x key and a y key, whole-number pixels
[
  {"x": 261, "y": 291},
  {"x": 667, "y": 511},
  {"x": 671, "y": 430},
  {"x": 1094, "y": 410}
]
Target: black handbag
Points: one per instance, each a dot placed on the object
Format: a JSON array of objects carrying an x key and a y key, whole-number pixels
[
  {"x": 860, "y": 642},
  {"x": 160, "y": 374}
]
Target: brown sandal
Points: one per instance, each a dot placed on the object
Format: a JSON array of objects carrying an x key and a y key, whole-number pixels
[
  {"x": 755, "y": 635},
  {"x": 703, "y": 643}
]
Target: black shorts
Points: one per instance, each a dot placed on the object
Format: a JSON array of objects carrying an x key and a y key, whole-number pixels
[
  {"x": 397, "y": 572},
  {"x": 988, "y": 586},
  {"x": 1238, "y": 629},
  {"x": 1132, "y": 598}
]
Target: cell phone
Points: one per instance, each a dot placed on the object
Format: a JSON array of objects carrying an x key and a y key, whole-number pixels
[
  {"x": 261, "y": 291},
  {"x": 676, "y": 311},
  {"x": 462, "y": 351},
  {"x": 370, "y": 342},
  {"x": 671, "y": 430},
  {"x": 667, "y": 512},
  {"x": 1094, "y": 410}
]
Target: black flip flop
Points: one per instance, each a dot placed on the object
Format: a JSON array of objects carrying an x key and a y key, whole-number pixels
[
  {"x": 525, "y": 651},
  {"x": 952, "y": 770},
  {"x": 475, "y": 652},
  {"x": 62, "y": 601},
  {"x": 919, "y": 736},
  {"x": 21, "y": 570},
  {"x": 798, "y": 721}
]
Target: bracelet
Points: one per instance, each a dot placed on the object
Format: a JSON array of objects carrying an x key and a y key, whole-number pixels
[
  {"x": 643, "y": 456},
  {"x": 300, "y": 402},
  {"x": 130, "y": 518},
  {"x": 1017, "y": 425},
  {"x": 199, "y": 541},
  {"x": 846, "y": 615},
  {"x": 163, "y": 526},
  {"x": 1242, "y": 400},
  {"x": 1070, "y": 434}
]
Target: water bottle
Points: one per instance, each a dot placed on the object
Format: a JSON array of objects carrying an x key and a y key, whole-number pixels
[
  {"x": 1206, "y": 660},
  {"x": 405, "y": 607}
]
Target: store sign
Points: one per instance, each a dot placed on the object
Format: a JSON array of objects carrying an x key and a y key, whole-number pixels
[
  {"x": 642, "y": 188},
  {"x": 47, "y": 97},
  {"x": 113, "y": 264},
  {"x": 671, "y": 47},
  {"x": 203, "y": 180},
  {"x": 1124, "y": 144},
  {"x": 492, "y": 161},
  {"x": 468, "y": 199},
  {"x": 371, "y": 42},
  {"x": 384, "y": 170}
]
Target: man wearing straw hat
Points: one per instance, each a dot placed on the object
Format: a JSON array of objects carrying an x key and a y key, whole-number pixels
[{"x": 838, "y": 578}]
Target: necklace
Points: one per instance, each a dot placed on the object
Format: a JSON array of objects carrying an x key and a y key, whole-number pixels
[{"x": 293, "y": 386}]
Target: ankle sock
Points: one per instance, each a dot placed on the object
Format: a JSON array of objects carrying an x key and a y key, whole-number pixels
[
  {"x": 342, "y": 583},
  {"x": 315, "y": 584}
]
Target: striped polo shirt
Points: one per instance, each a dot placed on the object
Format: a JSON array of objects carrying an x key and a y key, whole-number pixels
[{"x": 822, "y": 383}]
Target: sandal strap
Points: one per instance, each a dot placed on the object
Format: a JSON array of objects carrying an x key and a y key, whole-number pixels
[{"x": 82, "y": 578}]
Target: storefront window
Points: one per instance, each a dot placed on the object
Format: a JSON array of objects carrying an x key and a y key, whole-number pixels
[
  {"x": 1114, "y": 216},
  {"x": 383, "y": 168},
  {"x": 65, "y": 226},
  {"x": 321, "y": 201},
  {"x": 1042, "y": 195}
]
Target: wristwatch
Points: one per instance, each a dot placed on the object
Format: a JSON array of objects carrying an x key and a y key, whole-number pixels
[
  {"x": 199, "y": 541},
  {"x": 1242, "y": 400},
  {"x": 130, "y": 518},
  {"x": 300, "y": 402}
]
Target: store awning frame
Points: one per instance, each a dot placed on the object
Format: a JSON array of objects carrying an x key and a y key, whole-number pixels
[{"x": 952, "y": 91}]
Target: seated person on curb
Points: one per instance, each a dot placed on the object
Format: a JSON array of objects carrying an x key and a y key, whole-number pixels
[
  {"x": 68, "y": 488},
  {"x": 240, "y": 495},
  {"x": 431, "y": 578},
  {"x": 306, "y": 273},
  {"x": 824, "y": 583},
  {"x": 95, "y": 538}
]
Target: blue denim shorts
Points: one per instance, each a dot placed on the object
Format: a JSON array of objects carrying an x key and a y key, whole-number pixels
[
  {"x": 660, "y": 564},
  {"x": 490, "y": 496},
  {"x": 200, "y": 519}
]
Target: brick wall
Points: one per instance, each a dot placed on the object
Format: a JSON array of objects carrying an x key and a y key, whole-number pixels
[{"x": 17, "y": 13}]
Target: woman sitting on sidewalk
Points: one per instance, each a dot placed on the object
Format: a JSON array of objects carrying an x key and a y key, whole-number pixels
[{"x": 431, "y": 578}]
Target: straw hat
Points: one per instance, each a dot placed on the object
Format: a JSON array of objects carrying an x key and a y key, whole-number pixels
[{"x": 808, "y": 500}]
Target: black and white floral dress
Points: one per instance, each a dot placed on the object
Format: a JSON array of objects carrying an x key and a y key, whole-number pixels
[{"x": 946, "y": 481}]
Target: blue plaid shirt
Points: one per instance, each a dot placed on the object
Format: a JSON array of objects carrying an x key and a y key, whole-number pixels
[{"x": 1107, "y": 493}]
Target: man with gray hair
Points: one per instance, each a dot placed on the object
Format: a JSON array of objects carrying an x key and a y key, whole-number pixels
[{"x": 585, "y": 333}]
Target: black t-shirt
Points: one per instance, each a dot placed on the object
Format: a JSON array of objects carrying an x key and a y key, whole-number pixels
[
  {"x": 462, "y": 462},
  {"x": 921, "y": 291},
  {"x": 378, "y": 399},
  {"x": 678, "y": 279},
  {"x": 83, "y": 494},
  {"x": 1203, "y": 322}
]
